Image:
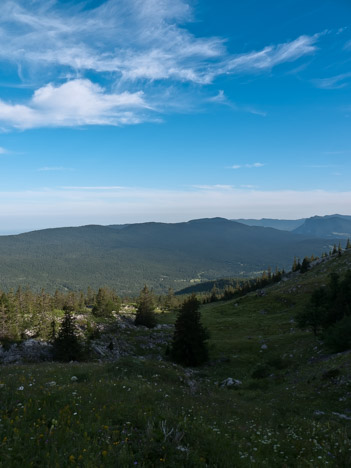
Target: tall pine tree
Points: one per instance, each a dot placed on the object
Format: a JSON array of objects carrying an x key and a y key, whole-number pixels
[
  {"x": 145, "y": 314},
  {"x": 67, "y": 346},
  {"x": 189, "y": 346}
]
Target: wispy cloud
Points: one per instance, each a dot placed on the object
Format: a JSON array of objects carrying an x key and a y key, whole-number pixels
[
  {"x": 333, "y": 82},
  {"x": 247, "y": 166},
  {"x": 213, "y": 187},
  {"x": 336, "y": 152},
  {"x": 54, "y": 169},
  {"x": 133, "y": 46},
  {"x": 3, "y": 150},
  {"x": 221, "y": 98},
  {"x": 111, "y": 187},
  {"x": 320, "y": 166},
  {"x": 272, "y": 56}
]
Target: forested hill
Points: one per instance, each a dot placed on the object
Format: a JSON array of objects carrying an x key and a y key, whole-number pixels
[
  {"x": 282, "y": 224},
  {"x": 327, "y": 226},
  {"x": 159, "y": 254}
]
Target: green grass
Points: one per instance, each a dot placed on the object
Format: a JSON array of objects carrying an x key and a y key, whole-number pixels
[{"x": 143, "y": 412}]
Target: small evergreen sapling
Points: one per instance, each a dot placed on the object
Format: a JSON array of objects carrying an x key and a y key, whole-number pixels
[{"x": 189, "y": 346}]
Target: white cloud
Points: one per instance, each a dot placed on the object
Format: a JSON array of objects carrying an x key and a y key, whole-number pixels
[
  {"x": 3, "y": 150},
  {"x": 247, "y": 166},
  {"x": 76, "y": 102},
  {"x": 132, "y": 46}
]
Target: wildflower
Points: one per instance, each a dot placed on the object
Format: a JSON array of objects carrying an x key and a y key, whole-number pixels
[
  {"x": 104, "y": 453},
  {"x": 71, "y": 458},
  {"x": 21, "y": 388}
]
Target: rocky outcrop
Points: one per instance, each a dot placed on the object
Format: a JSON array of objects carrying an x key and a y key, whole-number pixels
[{"x": 27, "y": 351}]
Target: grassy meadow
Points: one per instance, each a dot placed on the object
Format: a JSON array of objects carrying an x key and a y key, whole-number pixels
[{"x": 292, "y": 409}]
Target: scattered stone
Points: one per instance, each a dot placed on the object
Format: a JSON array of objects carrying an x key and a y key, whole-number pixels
[
  {"x": 74, "y": 378},
  {"x": 51, "y": 384},
  {"x": 98, "y": 349},
  {"x": 264, "y": 346},
  {"x": 319, "y": 413},
  {"x": 229, "y": 382},
  {"x": 342, "y": 416},
  {"x": 28, "y": 351}
]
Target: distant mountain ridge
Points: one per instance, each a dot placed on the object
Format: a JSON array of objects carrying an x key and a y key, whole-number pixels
[
  {"x": 281, "y": 224},
  {"x": 329, "y": 226},
  {"x": 159, "y": 254},
  {"x": 335, "y": 226}
]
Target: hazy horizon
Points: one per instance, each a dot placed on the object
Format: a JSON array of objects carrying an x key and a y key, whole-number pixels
[{"x": 43, "y": 227}]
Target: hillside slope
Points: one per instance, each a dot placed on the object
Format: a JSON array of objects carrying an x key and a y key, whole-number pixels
[
  {"x": 337, "y": 227},
  {"x": 281, "y": 224},
  {"x": 161, "y": 255},
  {"x": 288, "y": 405}
]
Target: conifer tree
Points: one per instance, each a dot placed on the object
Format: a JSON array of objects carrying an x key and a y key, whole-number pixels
[
  {"x": 214, "y": 293},
  {"x": 170, "y": 300},
  {"x": 339, "y": 250},
  {"x": 67, "y": 346},
  {"x": 348, "y": 244},
  {"x": 145, "y": 314},
  {"x": 189, "y": 346},
  {"x": 305, "y": 265}
]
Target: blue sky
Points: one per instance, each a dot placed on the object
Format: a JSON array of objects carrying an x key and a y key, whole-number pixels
[{"x": 118, "y": 111}]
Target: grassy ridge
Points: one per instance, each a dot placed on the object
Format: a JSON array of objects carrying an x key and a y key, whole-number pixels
[{"x": 292, "y": 408}]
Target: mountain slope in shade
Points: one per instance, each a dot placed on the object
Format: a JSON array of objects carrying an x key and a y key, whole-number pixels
[
  {"x": 159, "y": 254},
  {"x": 281, "y": 224},
  {"x": 336, "y": 226}
]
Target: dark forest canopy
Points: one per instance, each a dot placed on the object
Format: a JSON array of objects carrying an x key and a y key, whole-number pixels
[{"x": 161, "y": 255}]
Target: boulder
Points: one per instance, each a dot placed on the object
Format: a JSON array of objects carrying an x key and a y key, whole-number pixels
[{"x": 230, "y": 382}]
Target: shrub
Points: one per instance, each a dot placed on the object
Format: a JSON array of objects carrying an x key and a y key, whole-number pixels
[
  {"x": 338, "y": 337},
  {"x": 261, "y": 372}
]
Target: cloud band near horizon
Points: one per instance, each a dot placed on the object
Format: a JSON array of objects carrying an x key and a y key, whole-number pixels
[{"x": 68, "y": 206}]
